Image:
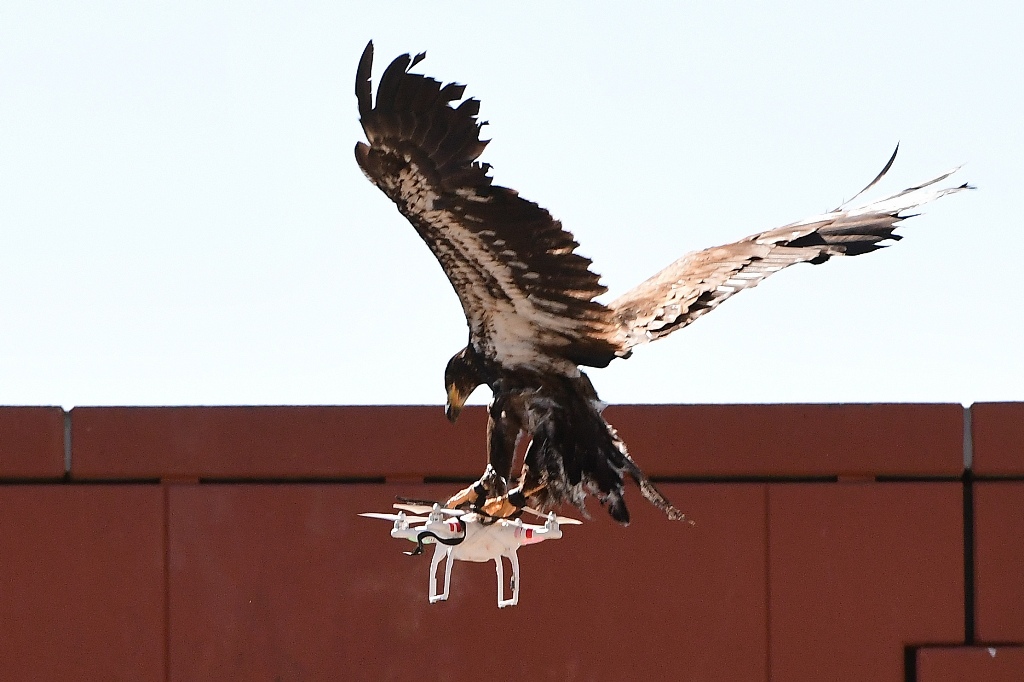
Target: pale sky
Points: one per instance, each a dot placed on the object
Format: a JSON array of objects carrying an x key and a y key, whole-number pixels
[{"x": 182, "y": 220}]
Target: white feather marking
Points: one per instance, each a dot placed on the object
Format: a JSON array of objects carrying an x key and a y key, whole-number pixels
[
  {"x": 515, "y": 328},
  {"x": 415, "y": 191}
]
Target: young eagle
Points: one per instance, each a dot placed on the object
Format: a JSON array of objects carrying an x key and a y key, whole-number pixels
[{"x": 529, "y": 297}]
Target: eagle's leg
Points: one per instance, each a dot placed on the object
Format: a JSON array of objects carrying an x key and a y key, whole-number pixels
[
  {"x": 512, "y": 503},
  {"x": 478, "y": 491},
  {"x": 503, "y": 429},
  {"x": 504, "y": 426}
]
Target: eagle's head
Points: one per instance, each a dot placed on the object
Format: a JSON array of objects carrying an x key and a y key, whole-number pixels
[{"x": 461, "y": 377}]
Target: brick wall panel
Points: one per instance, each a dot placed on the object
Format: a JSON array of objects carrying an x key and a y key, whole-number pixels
[
  {"x": 998, "y": 431},
  {"x": 284, "y": 579},
  {"x": 858, "y": 571},
  {"x": 286, "y": 582},
  {"x": 793, "y": 440},
  {"x": 31, "y": 442},
  {"x": 667, "y": 440},
  {"x": 275, "y": 442},
  {"x": 82, "y": 583},
  {"x": 999, "y": 561},
  {"x": 960, "y": 664}
]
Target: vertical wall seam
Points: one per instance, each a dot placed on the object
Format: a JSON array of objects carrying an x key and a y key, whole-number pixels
[
  {"x": 968, "y": 438},
  {"x": 67, "y": 442},
  {"x": 767, "y": 582},
  {"x": 969, "y": 596},
  {"x": 968, "y": 501},
  {"x": 167, "y": 581}
]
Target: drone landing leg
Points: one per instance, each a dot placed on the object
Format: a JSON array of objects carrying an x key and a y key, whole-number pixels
[
  {"x": 440, "y": 551},
  {"x": 499, "y": 569},
  {"x": 448, "y": 572},
  {"x": 514, "y": 558}
]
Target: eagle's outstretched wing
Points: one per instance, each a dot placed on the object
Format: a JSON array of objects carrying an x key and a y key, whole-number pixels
[
  {"x": 699, "y": 281},
  {"x": 528, "y": 297}
]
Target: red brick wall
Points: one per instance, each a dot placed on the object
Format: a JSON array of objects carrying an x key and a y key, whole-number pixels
[{"x": 832, "y": 542}]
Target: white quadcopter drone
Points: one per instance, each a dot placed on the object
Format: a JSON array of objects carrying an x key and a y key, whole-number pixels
[{"x": 470, "y": 536}]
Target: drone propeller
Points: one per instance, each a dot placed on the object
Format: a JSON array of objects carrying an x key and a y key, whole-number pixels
[
  {"x": 563, "y": 520},
  {"x": 424, "y": 509},
  {"x": 396, "y": 517}
]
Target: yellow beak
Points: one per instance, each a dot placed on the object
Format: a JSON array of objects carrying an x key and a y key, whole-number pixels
[{"x": 454, "y": 405}]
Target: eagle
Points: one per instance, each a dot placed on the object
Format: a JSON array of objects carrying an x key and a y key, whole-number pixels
[{"x": 531, "y": 300}]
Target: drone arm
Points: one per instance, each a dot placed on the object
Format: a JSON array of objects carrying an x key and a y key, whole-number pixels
[{"x": 531, "y": 535}]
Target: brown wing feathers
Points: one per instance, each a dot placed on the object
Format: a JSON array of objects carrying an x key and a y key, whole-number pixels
[
  {"x": 423, "y": 154},
  {"x": 700, "y": 281},
  {"x": 507, "y": 256}
]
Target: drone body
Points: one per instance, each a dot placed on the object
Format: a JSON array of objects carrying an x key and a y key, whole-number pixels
[{"x": 468, "y": 536}]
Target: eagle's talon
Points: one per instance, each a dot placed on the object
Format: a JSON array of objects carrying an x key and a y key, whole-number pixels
[
  {"x": 501, "y": 507},
  {"x": 490, "y": 485},
  {"x": 463, "y": 497}
]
